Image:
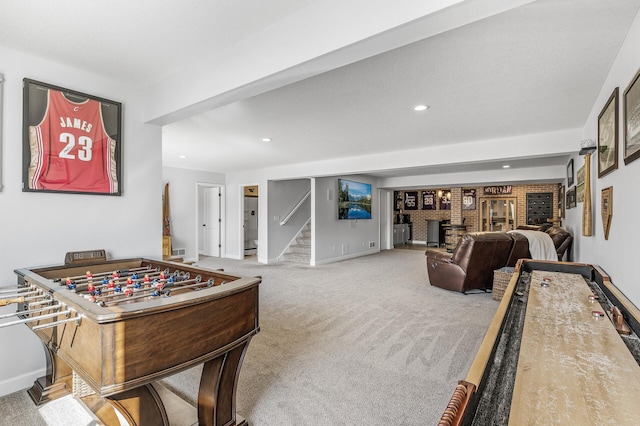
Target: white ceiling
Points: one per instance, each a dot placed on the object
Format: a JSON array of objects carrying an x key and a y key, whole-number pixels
[{"x": 532, "y": 69}]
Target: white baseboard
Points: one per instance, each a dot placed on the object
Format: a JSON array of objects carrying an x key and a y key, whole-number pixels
[
  {"x": 345, "y": 257},
  {"x": 25, "y": 381}
]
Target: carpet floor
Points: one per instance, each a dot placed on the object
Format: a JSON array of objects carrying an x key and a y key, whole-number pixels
[{"x": 364, "y": 341}]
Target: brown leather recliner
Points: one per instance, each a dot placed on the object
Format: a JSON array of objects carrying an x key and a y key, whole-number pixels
[
  {"x": 471, "y": 264},
  {"x": 562, "y": 240}
]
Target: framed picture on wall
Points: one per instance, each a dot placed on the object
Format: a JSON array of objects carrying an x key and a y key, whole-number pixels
[
  {"x": 411, "y": 200},
  {"x": 631, "y": 106},
  {"x": 468, "y": 199},
  {"x": 608, "y": 136},
  {"x": 570, "y": 173},
  {"x": 571, "y": 197},
  {"x": 561, "y": 201},
  {"x": 428, "y": 200},
  {"x": 71, "y": 142}
]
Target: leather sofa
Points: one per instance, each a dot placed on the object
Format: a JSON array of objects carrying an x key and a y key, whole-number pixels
[{"x": 471, "y": 264}]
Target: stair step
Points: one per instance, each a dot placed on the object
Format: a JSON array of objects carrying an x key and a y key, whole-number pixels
[
  {"x": 297, "y": 257},
  {"x": 300, "y": 249}
]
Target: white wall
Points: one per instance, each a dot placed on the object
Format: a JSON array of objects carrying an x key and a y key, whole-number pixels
[
  {"x": 617, "y": 255},
  {"x": 341, "y": 239},
  {"x": 183, "y": 210},
  {"x": 283, "y": 197},
  {"x": 39, "y": 228}
]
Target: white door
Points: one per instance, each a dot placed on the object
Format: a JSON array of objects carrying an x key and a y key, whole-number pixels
[{"x": 211, "y": 222}]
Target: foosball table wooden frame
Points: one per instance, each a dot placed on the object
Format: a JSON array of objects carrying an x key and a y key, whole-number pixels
[
  {"x": 121, "y": 346},
  {"x": 563, "y": 348}
]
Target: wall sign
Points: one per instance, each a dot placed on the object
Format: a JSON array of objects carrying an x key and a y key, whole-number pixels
[{"x": 497, "y": 190}]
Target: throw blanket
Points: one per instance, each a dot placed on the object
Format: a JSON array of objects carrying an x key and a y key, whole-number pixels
[{"x": 540, "y": 245}]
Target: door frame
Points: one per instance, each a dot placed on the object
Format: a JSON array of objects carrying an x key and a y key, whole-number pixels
[
  {"x": 241, "y": 239},
  {"x": 199, "y": 205}
]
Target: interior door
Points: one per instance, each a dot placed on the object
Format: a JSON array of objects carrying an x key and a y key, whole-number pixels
[{"x": 211, "y": 225}]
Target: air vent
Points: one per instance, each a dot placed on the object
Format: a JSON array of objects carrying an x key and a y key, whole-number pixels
[{"x": 179, "y": 252}]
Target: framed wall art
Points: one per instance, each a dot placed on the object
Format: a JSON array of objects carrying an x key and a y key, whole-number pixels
[
  {"x": 607, "y": 210},
  {"x": 411, "y": 200},
  {"x": 570, "y": 173},
  {"x": 561, "y": 201},
  {"x": 468, "y": 199},
  {"x": 428, "y": 200},
  {"x": 631, "y": 106},
  {"x": 571, "y": 197},
  {"x": 608, "y": 136},
  {"x": 71, "y": 142}
]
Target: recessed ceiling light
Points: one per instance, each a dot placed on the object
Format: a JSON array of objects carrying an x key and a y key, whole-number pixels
[
  {"x": 266, "y": 139},
  {"x": 182, "y": 156},
  {"x": 421, "y": 107},
  {"x": 506, "y": 166}
]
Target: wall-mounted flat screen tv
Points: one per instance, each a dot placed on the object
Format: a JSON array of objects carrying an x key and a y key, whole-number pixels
[{"x": 354, "y": 200}]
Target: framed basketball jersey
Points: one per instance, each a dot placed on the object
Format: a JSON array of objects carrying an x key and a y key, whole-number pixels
[{"x": 72, "y": 142}]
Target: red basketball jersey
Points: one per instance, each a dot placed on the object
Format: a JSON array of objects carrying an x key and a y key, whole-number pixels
[{"x": 70, "y": 148}]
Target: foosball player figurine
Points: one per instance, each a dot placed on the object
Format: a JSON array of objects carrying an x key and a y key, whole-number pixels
[
  {"x": 90, "y": 287},
  {"x": 129, "y": 281},
  {"x": 128, "y": 291},
  {"x": 111, "y": 284},
  {"x": 162, "y": 275},
  {"x": 105, "y": 281},
  {"x": 134, "y": 276},
  {"x": 88, "y": 275},
  {"x": 115, "y": 275}
]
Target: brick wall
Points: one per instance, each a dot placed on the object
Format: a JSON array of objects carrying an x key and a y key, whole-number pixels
[{"x": 472, "y": 217}]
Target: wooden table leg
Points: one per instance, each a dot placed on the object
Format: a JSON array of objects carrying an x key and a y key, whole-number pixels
[{"x": 217, "y": 394}]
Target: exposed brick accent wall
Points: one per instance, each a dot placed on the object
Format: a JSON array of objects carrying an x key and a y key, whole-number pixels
[
  {"x": 472, "y": 217},
  {"x": 456, "y": 206}
]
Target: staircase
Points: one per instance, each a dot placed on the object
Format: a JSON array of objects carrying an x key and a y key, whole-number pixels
[{"x": 300, "y": 249}]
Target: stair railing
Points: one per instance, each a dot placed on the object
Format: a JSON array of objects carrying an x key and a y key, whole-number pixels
[{"x": 295, "y": 208}]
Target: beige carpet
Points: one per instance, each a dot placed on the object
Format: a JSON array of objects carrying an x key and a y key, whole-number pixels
[{"x": 365, "y": 341}]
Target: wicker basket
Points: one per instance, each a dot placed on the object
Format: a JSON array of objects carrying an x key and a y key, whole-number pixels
[
  {"x": 501, "y": 278},
  {"x": 80, "y": 388}
]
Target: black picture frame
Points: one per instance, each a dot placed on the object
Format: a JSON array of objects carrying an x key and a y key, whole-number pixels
[
  {"x": 608, "y": 136},
  {"x": 631, "y": 114},
  {"x": 411, "y": 200},
  {"x": 571, "y": 198},
  {"x": 428, "y": 200},
  {"x": 570, "y": 173},
  {"x": 71, "y": 141}
]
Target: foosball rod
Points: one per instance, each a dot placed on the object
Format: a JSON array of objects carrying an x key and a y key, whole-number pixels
[
  {"x": 77, "y": 319},
  {"x": 149, "y": 281},
  {"x": 86, "y": 281},
  {"x": 124, "y": 299},
  {"x": 102, "y": 274},
  {"x": 24, "y": 293},
  {"x": 29, "y": 311},
  {"x": 37, "y": 318},
  {"x": 137, "y": 293}
]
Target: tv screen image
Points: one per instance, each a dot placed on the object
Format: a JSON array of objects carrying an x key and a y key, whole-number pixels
[{"x": 354, "y": 200}]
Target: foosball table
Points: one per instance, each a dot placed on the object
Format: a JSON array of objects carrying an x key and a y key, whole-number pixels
[{"x": 114, "y": 328}]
